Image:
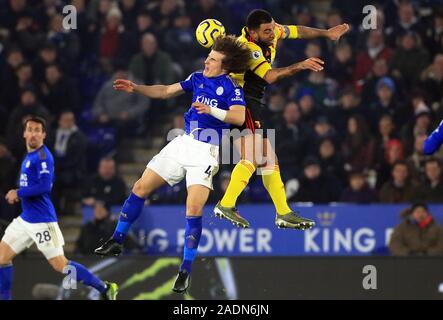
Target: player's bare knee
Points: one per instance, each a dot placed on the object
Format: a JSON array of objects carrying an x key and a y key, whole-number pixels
[
  {"x": 58, "y": 264},
  {"x": 194, "y": 210},
  {"x": 140, "y": 189}
]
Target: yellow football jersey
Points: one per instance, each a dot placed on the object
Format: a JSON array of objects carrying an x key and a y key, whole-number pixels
[{"x": 262, "y": 57}]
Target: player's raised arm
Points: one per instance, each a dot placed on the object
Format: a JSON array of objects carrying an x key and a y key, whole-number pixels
[
  {"x": 434, "y": 141},
  {"x": 273, "y": 75},
  {"x": 333, "y": 33},
  {"x": 155, "y": 91},
  {"x": 235, "y": 115}
]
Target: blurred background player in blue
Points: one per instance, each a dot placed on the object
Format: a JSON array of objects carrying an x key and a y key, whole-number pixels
[{"x": 38, "y": 221}]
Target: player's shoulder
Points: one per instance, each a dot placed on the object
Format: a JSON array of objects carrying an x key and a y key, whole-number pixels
[
  {"x": 197, "y": 74},
  {"x": 230, "y": 82},
  {"x": 44, "y": 154}
]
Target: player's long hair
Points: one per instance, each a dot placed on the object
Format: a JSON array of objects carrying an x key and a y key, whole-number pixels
[{"x": 237, "y": 54}]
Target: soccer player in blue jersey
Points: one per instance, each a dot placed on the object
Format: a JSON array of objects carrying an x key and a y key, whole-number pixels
[
  {"x": 217, "y": 102},
  {"x": 38, "y": 221}
]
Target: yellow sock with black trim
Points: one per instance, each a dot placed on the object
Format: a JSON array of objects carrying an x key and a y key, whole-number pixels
[
  {"x": 240, "y": 176},
  {"x": 276, "y": 189}
]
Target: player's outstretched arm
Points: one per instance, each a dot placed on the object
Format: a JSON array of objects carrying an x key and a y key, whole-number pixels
[
  {"x": 155, "y": 92},
  {"x": 235, "y": 115},
  {"x": 273, "y": 75},
  {"x": 434, "y": 141},
  {"x": 333, "y": 33}
]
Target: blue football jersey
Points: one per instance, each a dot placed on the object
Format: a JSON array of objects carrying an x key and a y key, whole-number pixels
[
  {"x": 218, "y": 92},
  {"x": 36, "y": 179}
]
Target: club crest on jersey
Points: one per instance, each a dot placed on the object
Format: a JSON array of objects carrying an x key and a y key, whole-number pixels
[
  {"x": 28, "y": 163},
  {"x": 207, "y": 101},
  {"x": 219, "y": 91},
  {"x": 256, "y": 54}
]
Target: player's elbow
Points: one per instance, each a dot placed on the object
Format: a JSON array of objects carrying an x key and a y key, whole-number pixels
[
  {"x": 239, "y": 119},
  {"x": 270, "y": 77}
]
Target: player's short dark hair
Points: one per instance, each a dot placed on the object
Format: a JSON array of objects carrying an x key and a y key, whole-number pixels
[
  {"x": 37, "y": 120},
  {"x": 237, "y": 54},
  {"x": 256, "y": 18}
]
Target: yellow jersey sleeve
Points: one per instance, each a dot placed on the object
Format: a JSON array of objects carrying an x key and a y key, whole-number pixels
[
  {"x": 258, "y": 65},
  {"x": 286, "y": 32}
]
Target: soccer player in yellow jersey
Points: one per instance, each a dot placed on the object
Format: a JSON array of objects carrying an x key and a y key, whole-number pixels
[{"x": 261, "y": 35}]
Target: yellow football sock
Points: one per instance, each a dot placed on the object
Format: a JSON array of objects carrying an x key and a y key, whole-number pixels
[
  {"x": 239, "y": 180},
  {"x": 276, "y": 189}
]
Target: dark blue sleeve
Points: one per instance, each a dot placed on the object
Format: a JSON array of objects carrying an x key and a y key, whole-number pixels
[
  {"x": 236, "y": 97},
  {"x": 45, "y": 172},
  {"x": 188, "y": 84},
  {"x": 434, "y": 141}
]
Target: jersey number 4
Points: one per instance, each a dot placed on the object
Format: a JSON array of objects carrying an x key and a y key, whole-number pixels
[{"x": 209, "y": 171}]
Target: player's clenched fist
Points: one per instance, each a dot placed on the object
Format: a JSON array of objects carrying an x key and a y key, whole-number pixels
[
  {"x": 12, "y": 197},
  {"x": 124, "y": 85},
  {"x": 201, "y": 108},
  {"x": 314, "y": 64}
]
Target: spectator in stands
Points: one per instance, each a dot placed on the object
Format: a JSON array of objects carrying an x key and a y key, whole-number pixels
[
  {"x": 106, "y": 186},
  {"x": 315, "y": 186},
  {"x": 164, "y": 12},
  {"x": 432, "y": 79},
  {"x": 375, "y": 49},
  {"x": 432, "y": 189},
  {"x": 322, "y": 129},
  {"x": 386, "y": 103},
  {"x": 393, "y": 152},
  {"x": 59, "y": 92},
  {"x": 342, "y": 64},
  {"x": 11, "y": 91},
  {"x": 180, "y": 41},
  {"x": 416, "y": 161},
  {"x": 28, "y": 34},
  {"x": 145, "y": 24},
  {"x": 407, "y": 22},
  {"x": 14, "y": 58},
  {"x": 331, "y": 162},
  {"x": 294, "y": 144},
  {"x": 379, "y": 70},
  {"x": 417, "y": 235},
  {"x": 152, "y": 65},
  {"x": 8, "y": 168},
  {"x": 69, "y": 145},
  {"x": 420, "y": 124},
  {"x": 409, "y": 59},
  {"x": 121, "y": 110},
  {"x": 29, "y": 106},
  {"x": 129, "y": 10},
  {"x": 400, "y": 189},
  {"x": 115, "y": 41},
  {"x": 47, "y": 56},
  {"x": 66, "y": 41},
  {"x": 203, "y": 9},
  {"x": 385, "y": 133},
  {"x": 358, "y": 190},
  {"x": 308, "y": 110},
  {"x": 358, "y": 146},
  {"x": 348, "y": 105},
  {"x": 98, "y": 230}
]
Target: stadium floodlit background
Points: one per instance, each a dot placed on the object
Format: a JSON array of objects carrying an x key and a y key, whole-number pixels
[{"x": 349, "y": 141}]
